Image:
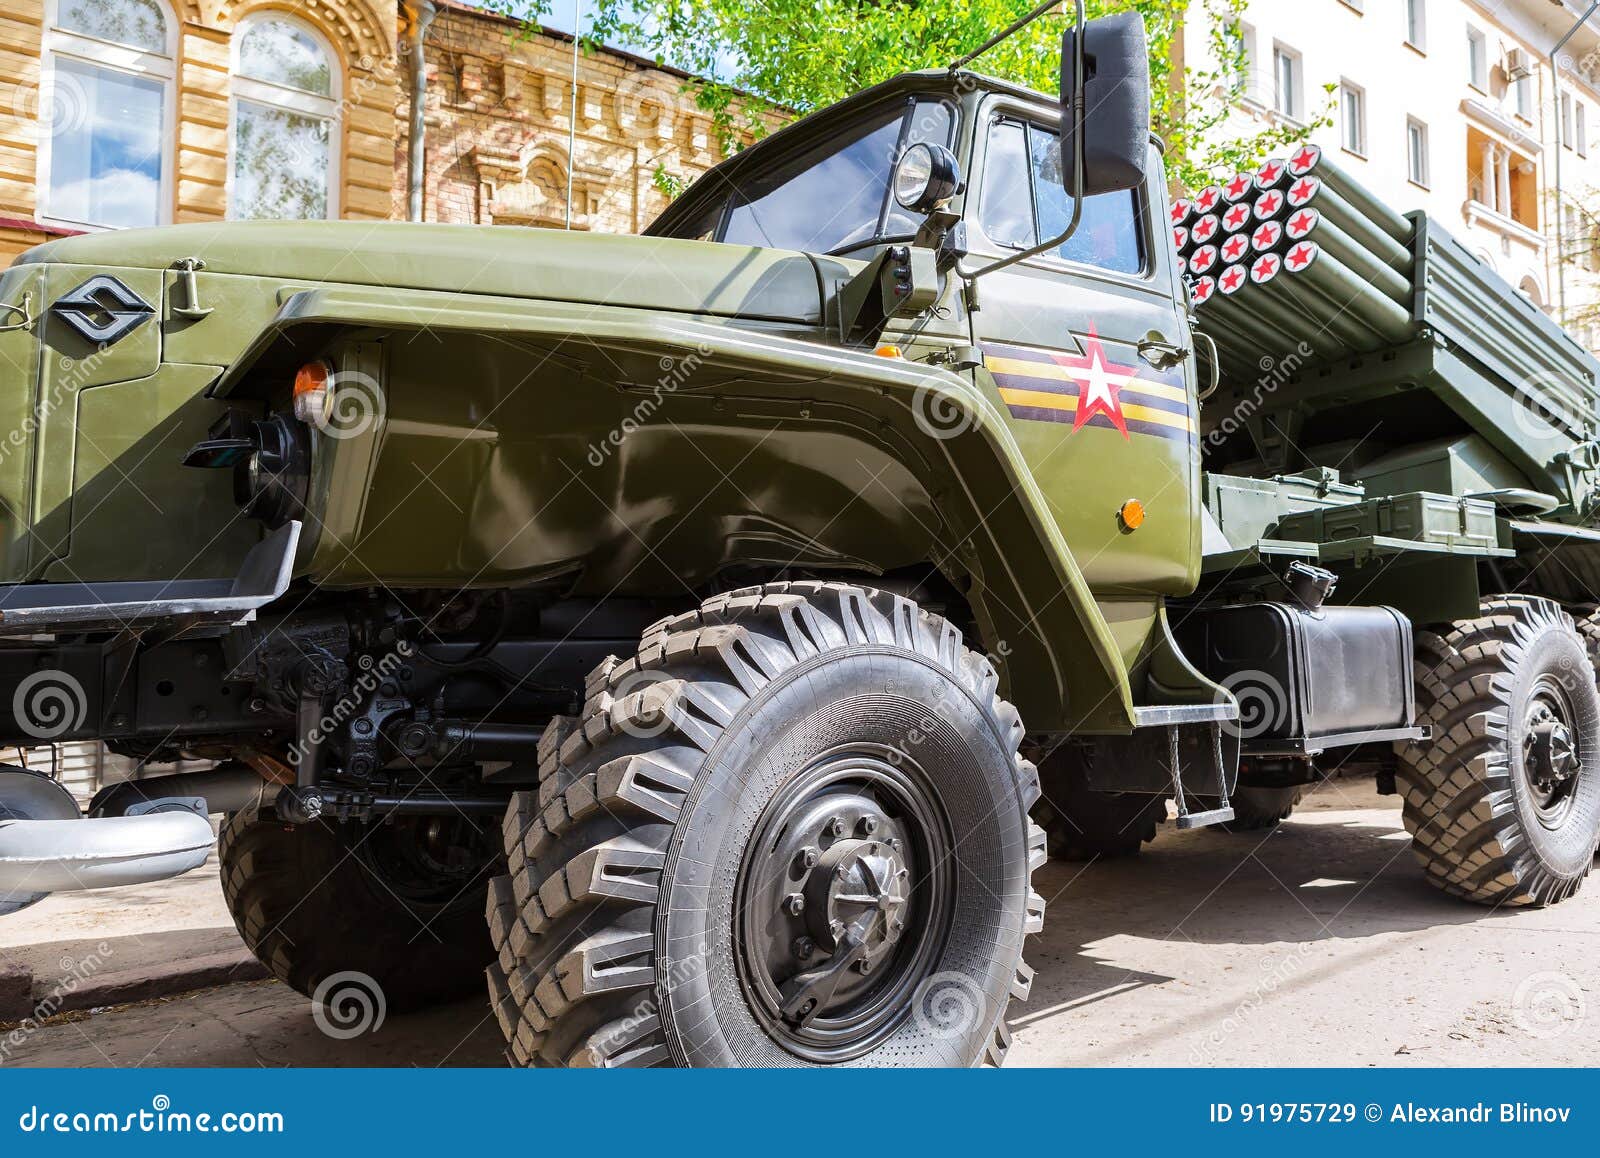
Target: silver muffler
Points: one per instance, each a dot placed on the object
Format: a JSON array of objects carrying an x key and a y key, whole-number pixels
[{"x": 134, "y": 837}]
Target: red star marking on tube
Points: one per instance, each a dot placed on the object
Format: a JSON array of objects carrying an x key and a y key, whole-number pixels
[
  {"x": 1238, "y": 187},
  {"x": 1303, "y": 190},
  {"x": 1204, "y": 229},
  {"x": 1232, "y": 280},
  {"x": 1303, "y": 161},
  {"x": 1267, "y": 236},
  {"x": 1203, "y": 290},
  {"x": 1097, "y": 393},
  {"x": 1236, "y": 217},
  {"x": 1301, "y": 223},
  {"x": 1269, "y": 204},
  {"x": 1264, "y": 268},
  {"x": 1300, "y": 256},
  {"x": 1203, "y": 258},
  {"x": 1180, "y": 237},
  {"x": 1180, "y": 210},
  {"x": 1234, "y": 249},
  {"x": 1208, "y": 198},
  {"x": 1270, "y": 172}
]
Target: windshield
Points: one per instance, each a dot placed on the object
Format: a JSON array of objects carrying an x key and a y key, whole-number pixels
[{"x": 832, "y": 198}]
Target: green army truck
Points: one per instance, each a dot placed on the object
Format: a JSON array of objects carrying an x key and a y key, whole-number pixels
[{"x": 710, "y": 609}]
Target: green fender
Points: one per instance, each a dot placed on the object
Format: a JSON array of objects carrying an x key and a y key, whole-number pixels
[{"x": 619, "y": 451}]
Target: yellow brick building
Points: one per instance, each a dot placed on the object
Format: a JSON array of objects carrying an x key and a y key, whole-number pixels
[{"x": 118, "y": 113}]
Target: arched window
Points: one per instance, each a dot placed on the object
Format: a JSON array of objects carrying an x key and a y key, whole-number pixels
[
  {"x": 285, "y": 122},
  {"x": 105, "y": 114}
]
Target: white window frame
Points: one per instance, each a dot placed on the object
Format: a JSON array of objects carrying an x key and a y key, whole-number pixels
[
  {"x": 1477, "y": 58},
  {"x": 1288, "y": 105},
  {"x": 1522, "y": 86},
  {"x": 1418, "y": 163},
  {"x": 103, "y": 54},
  {"x": 1347, "y": 91},
  {"x": 1580, "y": 128},
  {"x": 1239, "y": 85},
  {"x": 1564, "y": 111},
  {"x": 292, "y": 100},
  {"x": 1416, "y": 17}
]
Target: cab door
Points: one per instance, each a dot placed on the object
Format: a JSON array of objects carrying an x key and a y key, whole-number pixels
[{"x": 1087, "y": 352}]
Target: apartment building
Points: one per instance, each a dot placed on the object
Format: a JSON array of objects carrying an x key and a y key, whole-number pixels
[{"x": 1450, "y": 106}]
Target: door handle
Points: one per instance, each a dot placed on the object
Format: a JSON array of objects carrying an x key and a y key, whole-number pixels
[{"x": 1163, "y": 355}]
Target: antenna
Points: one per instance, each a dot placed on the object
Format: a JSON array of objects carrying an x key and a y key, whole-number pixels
[{"x": 1011, "y": 30}]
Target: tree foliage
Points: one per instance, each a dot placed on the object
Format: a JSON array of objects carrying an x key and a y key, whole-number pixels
[{"x": 804, "y": 54}]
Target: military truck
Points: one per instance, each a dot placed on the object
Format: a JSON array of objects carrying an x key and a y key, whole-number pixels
[{"x": 704, "y": 607}]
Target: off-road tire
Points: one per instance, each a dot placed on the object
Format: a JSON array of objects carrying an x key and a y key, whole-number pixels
[
  {"x": 310, "y": 910},
  {"x": 615, "y": 928},
  {"x": 1258, "y": 809},
  {"x": 1083, "y": 824},
  {"x": 1474, "y": 820}
]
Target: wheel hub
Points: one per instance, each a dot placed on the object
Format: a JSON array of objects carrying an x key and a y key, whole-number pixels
[
  {"x": 1551, "y": 759},
  {"x": 842, "y": 900}
]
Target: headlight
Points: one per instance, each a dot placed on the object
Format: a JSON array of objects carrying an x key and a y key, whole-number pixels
[{"x": 925, "y": 178}]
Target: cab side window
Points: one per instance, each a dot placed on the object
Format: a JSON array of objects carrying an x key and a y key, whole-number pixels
[{"x": 1023, "y": 203}]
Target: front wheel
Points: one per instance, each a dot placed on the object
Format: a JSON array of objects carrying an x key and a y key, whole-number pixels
[{"x": 791, "y": 830}]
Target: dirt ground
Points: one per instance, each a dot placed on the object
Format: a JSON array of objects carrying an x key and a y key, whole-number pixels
[{"x": 1317, "y": 944}]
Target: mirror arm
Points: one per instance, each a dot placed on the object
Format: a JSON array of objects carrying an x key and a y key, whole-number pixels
[{"x": 1080, "y": 121}]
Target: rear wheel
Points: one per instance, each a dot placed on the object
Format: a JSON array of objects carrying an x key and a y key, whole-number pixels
[
  {"x": 394, "y": 906},
  {"x": 1083, "y": 824},
  {"x": 1258, "y": 809},
  {"x": 1504, "y": 805},
  {"x": 791, "y": 830}
]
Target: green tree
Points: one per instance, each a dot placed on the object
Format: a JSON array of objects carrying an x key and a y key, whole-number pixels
[{"x": 804, "y": 54}]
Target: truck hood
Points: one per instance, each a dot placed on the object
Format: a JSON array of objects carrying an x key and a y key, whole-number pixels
[{"x": 501, "y": 260}]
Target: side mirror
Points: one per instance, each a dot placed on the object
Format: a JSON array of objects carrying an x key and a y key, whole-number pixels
[{"x": 1109, "y": 104}]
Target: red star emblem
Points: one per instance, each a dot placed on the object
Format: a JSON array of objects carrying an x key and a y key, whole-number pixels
[
  {"x": 1301, "y": 255},
  {"x": 1238, "y": 187},
  {"x": 1234, "y": 249},
  {"x": 1204, "y": 228},
  {"x": 1304, "y": 190},
  {"x": 1270, "y": 172},
  {"x": 1180, "y": 237},
  {"x": 1100, "y": 383},
  {"x": 1267, "y": 236},
  {"x": 1208, "y": 198},
  {"x": 1180, "y": 210},
  {"x": 1265, "y": 268},
  {"x": 1236, "y": 217},
  {"x": 1203, "y": 290},
  {"x": 1305, "y": 160},
  {"x": 1302, "y": 223},
  {"x": 1232, "y": 280},
  {"x": 1269, "y": 204}
]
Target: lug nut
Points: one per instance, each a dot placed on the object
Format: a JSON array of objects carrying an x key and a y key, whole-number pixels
[
  {"x": 795, "y": 903},
  {"x": 896, "y": 843},
  {"x": 835, "y": 827},
  {"x": 804, "y": 947},
  {"x": 867, "y": 825},
  {"x": 866, "y": 964},
  {"x": 836, "y": 928},
  {"x": 808, "y": 858}
]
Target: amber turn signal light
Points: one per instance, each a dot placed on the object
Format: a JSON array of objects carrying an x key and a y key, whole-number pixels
[
  {"x": 311, "y": 391},
  {"x": 1131, "y": 515}
]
